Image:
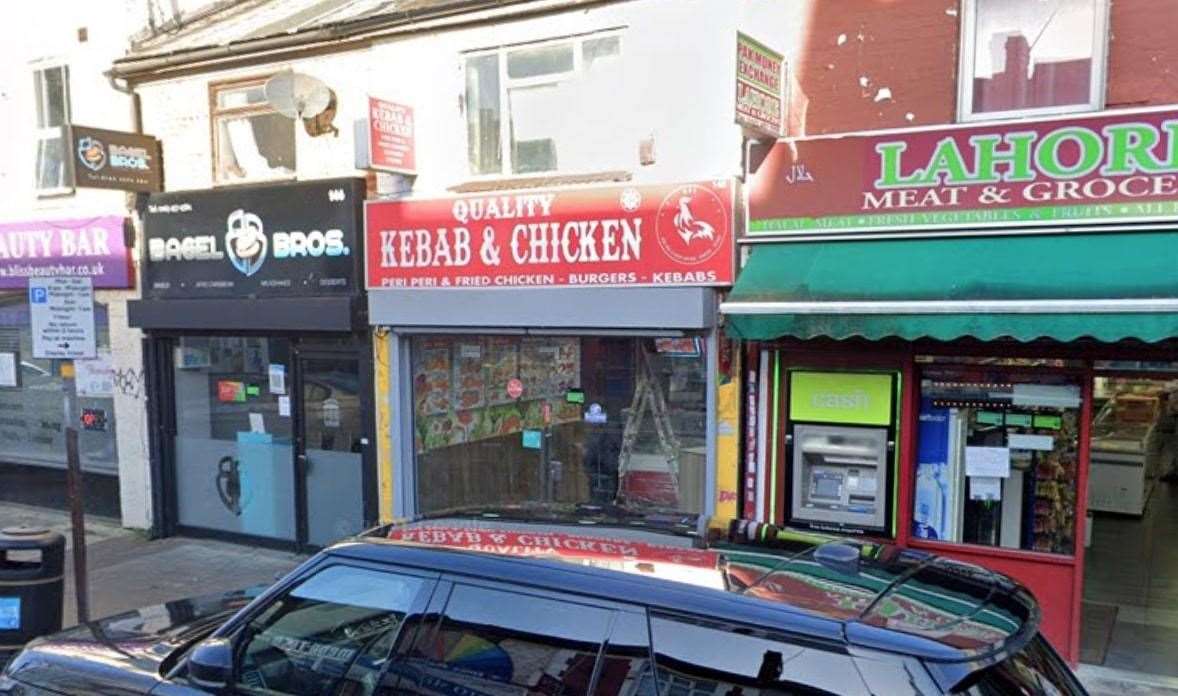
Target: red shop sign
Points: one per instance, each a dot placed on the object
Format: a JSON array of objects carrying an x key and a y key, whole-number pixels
[
  {"x": 1110, "y": 168},
  {"x": 391, "y": 144},
  {"x": 667, "y": 235}
]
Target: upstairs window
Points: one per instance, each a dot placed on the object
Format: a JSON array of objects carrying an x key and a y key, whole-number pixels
[
  {"x": 1021, "y": 58},
  {"x": 51, "y": 86},
  {"x": 251, "y": 141},
  {"x": 544, "y": 107}
]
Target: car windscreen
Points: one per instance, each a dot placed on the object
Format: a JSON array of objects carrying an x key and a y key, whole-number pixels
[{"x": 1036, "y": 669}]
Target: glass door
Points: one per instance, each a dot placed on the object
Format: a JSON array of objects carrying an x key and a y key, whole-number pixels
[{"x": 331, "y": 446}]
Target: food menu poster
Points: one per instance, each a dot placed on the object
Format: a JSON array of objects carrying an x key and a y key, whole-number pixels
[{"x": 460, "y": 386}]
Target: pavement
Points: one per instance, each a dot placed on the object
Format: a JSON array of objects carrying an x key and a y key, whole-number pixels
[
  {"x": 128, "y": 571},
  {"x": 1103, "y": 681}
]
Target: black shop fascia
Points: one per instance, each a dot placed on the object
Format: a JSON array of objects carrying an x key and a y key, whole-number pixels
[{"x": 259, "y": 359}]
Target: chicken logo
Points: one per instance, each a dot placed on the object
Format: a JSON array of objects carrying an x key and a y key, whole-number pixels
[
  {"x": 692, "y": 224},
  {"x": 91, "y": 153},
  {"x": 689, "y": 228},
  {"x": 245, "y": 242}
]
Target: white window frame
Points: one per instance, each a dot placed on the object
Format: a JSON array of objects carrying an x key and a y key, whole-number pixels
[
  {"x": 505, "y": 86},
  {"x": 965, "y": 70},
  {"x": 52, "y": 132},
  {"x": 217, "y": 113}
]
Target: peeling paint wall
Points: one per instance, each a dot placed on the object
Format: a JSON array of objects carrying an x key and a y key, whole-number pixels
[{"x": 872, "y": 64}]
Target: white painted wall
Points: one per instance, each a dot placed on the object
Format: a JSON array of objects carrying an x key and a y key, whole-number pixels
[
  {"x": 676, "y": 85},
  {"x": 47, "y": 30}
]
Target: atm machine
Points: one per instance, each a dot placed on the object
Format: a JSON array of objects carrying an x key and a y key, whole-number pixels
[{"x": 841, "y": 446}]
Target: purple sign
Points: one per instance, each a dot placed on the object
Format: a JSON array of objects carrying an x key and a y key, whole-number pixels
[{"x": 94, "y": 248}]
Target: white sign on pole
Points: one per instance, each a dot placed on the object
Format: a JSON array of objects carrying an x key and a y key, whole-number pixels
[{"x": 62, "y": 311}]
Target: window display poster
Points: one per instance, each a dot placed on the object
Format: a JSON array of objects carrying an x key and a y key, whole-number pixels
[
  {"x": 277, "y": 378},
  {"x": 987, "y": 461},
  {"x": 8, "y": 373},
  {"x": 229, "y": 391},
  {"x": 95, "y": 377},
  {"x": 985, "y": 488},
  {"x": 193, "y": 353},
  {"x": 929, "y": 516},
  {"x": 1019, "y": 441}
]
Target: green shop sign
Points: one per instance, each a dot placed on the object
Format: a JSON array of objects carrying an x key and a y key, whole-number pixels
[
  {"x": 859, "y": 398},
  {"x": 1112, "y": 168}
]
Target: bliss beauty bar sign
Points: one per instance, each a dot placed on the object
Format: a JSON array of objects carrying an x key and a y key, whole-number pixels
[
  {"x": 94, "y": 248},
  {"x": 665, "y": 235},
  {"x": 1115, "y": 168}
]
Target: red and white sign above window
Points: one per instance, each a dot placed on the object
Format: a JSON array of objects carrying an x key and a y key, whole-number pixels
[
  {"x": 667, "y": 235},
  {"x": 391, "y": 144}
]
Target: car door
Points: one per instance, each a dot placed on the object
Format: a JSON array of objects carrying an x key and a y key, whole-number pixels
[
  {"x": 500, "y": 639},
  {"x": 333, "y": 632}
]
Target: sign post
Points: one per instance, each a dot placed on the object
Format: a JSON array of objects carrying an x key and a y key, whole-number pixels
[{"x": 62, "y": 313}]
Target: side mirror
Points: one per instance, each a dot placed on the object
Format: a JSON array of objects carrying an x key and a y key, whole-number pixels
[{"x": 210, "y": 665}]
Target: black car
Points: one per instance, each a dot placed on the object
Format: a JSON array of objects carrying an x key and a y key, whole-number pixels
[{"x": 529, "y": 602}]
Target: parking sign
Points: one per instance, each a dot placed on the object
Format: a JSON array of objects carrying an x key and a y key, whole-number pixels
[{"x": 62, "y": 312}]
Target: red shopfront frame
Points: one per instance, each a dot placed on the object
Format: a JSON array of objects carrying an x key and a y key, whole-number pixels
[{"x": 1057, "y": 581}]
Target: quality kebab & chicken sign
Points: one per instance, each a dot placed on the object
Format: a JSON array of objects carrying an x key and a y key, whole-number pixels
[{"x": 669, "y": 235}]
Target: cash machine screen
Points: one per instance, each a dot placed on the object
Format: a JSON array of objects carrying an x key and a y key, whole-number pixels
[{"x": 826, "y": 485}]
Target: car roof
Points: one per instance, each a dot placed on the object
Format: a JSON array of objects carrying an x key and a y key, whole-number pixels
[{"x": 849, "y": 592}]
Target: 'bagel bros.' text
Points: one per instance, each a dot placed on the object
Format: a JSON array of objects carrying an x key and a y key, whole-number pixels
[{"x": 666, "y": 235}]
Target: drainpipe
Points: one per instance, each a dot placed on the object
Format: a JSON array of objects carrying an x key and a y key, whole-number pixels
[{"x": 155, "y": 475}]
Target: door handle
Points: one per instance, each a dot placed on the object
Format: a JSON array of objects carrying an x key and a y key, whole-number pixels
[{"x": 304, "y": 464}]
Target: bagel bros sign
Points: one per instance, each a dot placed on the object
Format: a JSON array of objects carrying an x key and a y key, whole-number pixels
[
  {"x": 630, "y": 235},
  {"x": 107, "y": 159},
  {"x": 282, "y": 240},
  {"x": 1113, "y": 168}
]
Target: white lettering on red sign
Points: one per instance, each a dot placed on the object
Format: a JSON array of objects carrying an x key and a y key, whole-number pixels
[{"x": 653, "y": 235}]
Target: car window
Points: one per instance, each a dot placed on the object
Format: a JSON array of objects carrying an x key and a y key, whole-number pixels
[
  {"x": 1036, "y": 669},
  {"x": 331, "y": 634},
  {"x": 498, "y": 642},
  {"x": 696, "y": 657}
]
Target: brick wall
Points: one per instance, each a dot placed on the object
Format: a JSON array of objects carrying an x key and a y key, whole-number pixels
[
  {"x": 1143, "y": 56},
  {"x": 871, "y": 64}
]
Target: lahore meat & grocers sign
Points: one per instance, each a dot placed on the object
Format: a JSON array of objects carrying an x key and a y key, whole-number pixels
[
  {"x": 1113, "y": 168},
  {"x": 661, "y": 235}
]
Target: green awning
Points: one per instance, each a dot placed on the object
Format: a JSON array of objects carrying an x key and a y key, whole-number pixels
[{"x": 1107, "y": 287}]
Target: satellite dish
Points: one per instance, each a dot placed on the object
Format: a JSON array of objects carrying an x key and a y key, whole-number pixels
[{"x": 295, "y": 95}]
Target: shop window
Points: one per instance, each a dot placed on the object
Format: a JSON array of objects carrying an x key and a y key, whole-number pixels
[
  {"x": 234, "y": 435},
  {"x": 51, "y": 87},
  {"x": 997, "y": 458},
  {"x": 519, "y": 100},
  {"x": 513, "y": 419},
  {"x": 251, "y": 141},
  {"x": 1022, "y": 58},
  {"x": 32, "y": 431}
]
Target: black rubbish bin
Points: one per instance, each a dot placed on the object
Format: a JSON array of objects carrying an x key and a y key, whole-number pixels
[{"x": 32, "y": 565}]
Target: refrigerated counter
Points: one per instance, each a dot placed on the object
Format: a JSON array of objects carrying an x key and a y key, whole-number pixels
[{"x": 1125, "y": 464}]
